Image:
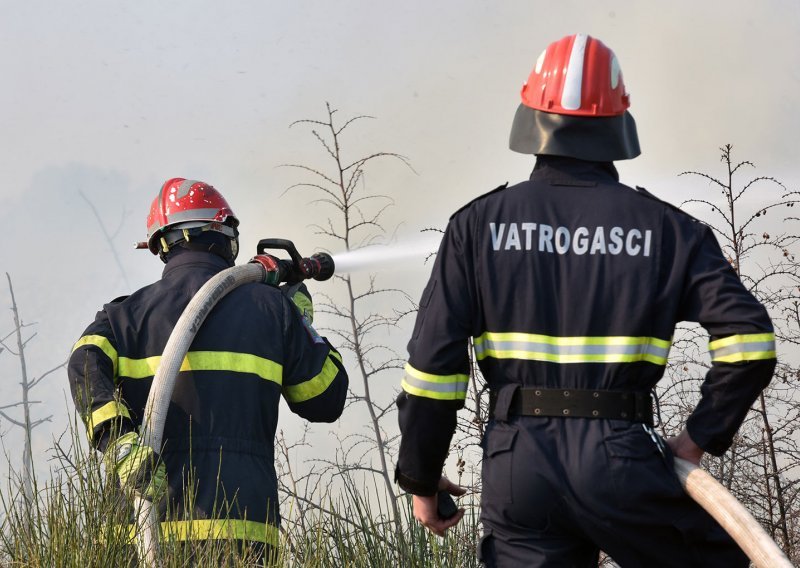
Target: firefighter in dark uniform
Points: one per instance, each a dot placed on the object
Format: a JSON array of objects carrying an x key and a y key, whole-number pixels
[
  {"x": 570, "y": 286},
  {"x": 254, "y": 347}
]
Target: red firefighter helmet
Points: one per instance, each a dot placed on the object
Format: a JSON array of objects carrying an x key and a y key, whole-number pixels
[
  {"x": 579, "y": 76},
  {"x": 575, "y": 104},
  {"x": 183, "y": 203}
]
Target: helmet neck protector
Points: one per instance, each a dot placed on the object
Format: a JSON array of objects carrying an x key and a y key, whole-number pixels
[{"x": 598, "y": 139}]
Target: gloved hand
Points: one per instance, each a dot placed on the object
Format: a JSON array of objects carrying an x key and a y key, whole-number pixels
[
  {"x": 137, "y": 466},
  {"x": 299, "y": 294}
]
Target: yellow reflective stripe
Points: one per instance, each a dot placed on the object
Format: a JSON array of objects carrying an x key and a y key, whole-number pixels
[
  {"x": 439, "y": 387},
  {"x": 572, "y": 340},
  {"x": 611, "y": 349},
  {"x": 138, "y": 368},
  {"x": 220, "y": 529},
  {"x": 101, "y": 342},
  {"x": 106, "y": 412},
  {"x": 205, "y": 529},
  {"x": 230, "y": 361},
  {"x": 206, "y": 361},
  {"x": 556, "y": 358},
  {"x": 305, "y": 306},
  {"x": 315, "y": 385},
  {"x": 743, "y": 347}
]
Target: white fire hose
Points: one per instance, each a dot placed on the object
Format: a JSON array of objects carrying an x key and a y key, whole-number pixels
[
  {"x": 698, "y": 484},
  {"x": 731, "y": 515},
  {"x": 155, "y": 412}
]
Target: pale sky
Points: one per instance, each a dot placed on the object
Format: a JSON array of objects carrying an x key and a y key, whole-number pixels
[{"x": 107, "y": 99}]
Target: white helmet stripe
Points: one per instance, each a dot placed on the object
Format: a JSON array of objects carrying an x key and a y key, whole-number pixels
[
  {"x": 573, "y": 82},
  {"x": 540, "y": 62},
  {"x": 615, "y": 72}
]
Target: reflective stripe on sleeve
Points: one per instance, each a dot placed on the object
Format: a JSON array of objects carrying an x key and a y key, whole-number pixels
[
  {"x": 739, "y": 348},
  {"x": 206, "y": 361},
  {"x": 108, "y": 411},
  {"x": 305, "y": 306},
  {"x": 439, "y": 387},
  {"x": 103, "y": 344},
  {"x": 139, "y": 368},
  {"x": 613, "y": 349},
  {"x": 316, "y": 385}
]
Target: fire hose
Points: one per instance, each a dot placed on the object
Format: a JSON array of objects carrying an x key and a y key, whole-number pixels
[
  {"x": 262, "y": 268},
  {"x": 731, "y": 515}
]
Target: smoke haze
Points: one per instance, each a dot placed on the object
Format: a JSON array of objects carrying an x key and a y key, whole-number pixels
[{"x": 103, "y": 100}]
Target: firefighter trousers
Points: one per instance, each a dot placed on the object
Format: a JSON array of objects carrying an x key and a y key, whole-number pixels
[{"x": 557, "y": 491}]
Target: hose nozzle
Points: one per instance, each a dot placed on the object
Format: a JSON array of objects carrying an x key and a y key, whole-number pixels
[{"x": 319, "y": 266}]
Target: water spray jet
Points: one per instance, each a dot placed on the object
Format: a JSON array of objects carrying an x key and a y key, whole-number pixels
[{"x": 376, "y": 256}]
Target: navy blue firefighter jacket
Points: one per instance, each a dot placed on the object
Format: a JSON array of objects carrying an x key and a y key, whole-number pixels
[
  {"x": 219, "y": 435},
  {"x": 574, "y": 280}
]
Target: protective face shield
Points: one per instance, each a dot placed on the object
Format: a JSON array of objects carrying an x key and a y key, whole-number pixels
[{"x": 575, "y": 104}]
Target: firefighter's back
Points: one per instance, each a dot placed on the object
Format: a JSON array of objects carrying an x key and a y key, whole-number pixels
[
  {"x": 219, "y": 432},
  {"x": 578, "y": 277}
]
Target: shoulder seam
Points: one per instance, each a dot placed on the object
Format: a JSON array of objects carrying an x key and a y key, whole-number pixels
[
  {"x": 644, "y": 193},
  {"x": 488, "y": 193}
]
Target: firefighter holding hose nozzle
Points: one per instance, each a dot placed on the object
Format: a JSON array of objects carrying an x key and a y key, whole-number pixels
[
  {"x": 570, "y": 286},
  {"x": 216, "y": 465}
]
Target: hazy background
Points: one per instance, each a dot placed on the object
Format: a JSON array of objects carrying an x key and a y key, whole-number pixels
[{"x": 101, "y": 101}]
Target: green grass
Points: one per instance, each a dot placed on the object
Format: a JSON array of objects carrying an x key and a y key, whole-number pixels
[
  {"x": 360, "y": 536},
  {"x": 65, "y": 523}
]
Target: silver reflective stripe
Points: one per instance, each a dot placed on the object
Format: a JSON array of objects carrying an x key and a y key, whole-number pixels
[
  {"x": 738, "y": 348},
  {"x": 439, "y": 387},
  {"x": 614, "y": 349},
  {"x": 572, "y": 349},
  {"x": 435, "y": 387},
  {"x": 744, "y": 348},
  {"x": 193, "y": 215}
]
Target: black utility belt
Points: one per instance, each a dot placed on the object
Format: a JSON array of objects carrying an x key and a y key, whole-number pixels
[{"x": 635, "y": 406}]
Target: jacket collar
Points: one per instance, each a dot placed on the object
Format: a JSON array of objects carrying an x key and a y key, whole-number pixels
[
  {"x": 560, "y": 170},
  {"x": 194, "y": 260}
]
